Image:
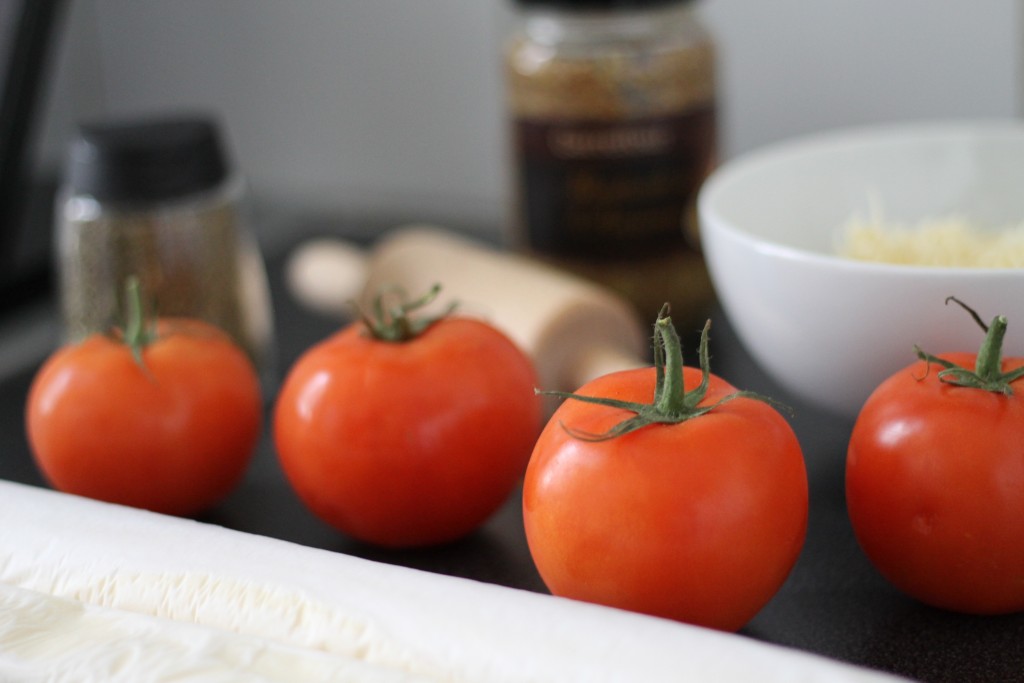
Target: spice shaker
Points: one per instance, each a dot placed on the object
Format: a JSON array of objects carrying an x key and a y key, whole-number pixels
[
  {"x": 157, "y": 200},
  {"x": 613, "y": 129}
]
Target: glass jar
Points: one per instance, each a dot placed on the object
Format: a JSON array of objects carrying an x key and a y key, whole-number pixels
[
  {"x": 614, "y": 128},
  {"x": 156, "y": 200}
]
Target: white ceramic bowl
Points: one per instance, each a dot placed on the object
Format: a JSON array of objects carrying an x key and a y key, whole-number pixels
[{"x": 829, "y": 329}]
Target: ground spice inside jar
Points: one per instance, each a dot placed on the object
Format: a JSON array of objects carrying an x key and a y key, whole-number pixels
[
  {"x": 613, "y": 130},
  {"x": 185, "y": 262},
  {"x": 155, "y": 200}
]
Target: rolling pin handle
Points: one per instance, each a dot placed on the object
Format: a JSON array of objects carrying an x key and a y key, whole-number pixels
[{"x": 326, "y": 274}]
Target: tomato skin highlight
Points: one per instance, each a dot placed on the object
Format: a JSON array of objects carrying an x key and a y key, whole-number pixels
[
  {"x": 413, "y": 443},
  {"x": 699, "y": 522},
  {"x": 935, "y": 489},
  {"x": 174, "y": 437}
]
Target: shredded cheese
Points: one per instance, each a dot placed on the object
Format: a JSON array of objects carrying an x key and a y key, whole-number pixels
[{"x": 944, "y": 242}]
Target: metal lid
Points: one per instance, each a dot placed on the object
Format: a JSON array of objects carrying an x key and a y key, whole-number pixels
[{"x": 147, "y": 160}]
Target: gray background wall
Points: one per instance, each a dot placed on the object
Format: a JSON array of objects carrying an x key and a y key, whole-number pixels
[{"x": 395, "y": 106}]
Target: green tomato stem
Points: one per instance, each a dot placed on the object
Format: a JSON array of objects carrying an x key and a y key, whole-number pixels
[
  {"x": 989, "y": 364},
  {"x": 138, "y": 330},
  {"x": 393, "y": 323},
  {"x": 671, "y": 404},
  {"x": 988, "y": 372},
  {"x": 670, "y": 396}
]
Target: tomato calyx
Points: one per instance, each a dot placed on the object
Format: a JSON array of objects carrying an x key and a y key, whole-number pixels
[
  {"x": 672, "y": 404},
  {"x": 988, "y": 372},
  {"x": 390, "y": 319}
]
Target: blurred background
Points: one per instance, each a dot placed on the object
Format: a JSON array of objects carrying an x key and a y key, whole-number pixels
[
  {"x": 343, "y": 109},
  {"x": 396, "y": 105}
]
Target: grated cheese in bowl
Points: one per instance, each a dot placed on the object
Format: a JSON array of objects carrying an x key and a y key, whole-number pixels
[{"x": 943, "y": 242}]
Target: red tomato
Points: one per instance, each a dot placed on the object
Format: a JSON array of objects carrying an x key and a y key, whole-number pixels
[
  {"x": 935, "y": 487},
  {"x": 174, "y": 434},
  {"x": 699, "y": 521},
  {"x": 408, "y": 443}
]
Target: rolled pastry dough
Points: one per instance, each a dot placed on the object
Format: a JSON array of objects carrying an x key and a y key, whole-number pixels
[{"x": 93, "y": 591}]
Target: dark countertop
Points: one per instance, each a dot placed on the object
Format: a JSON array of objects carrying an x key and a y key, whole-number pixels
[{"x": 834, "y": 603}]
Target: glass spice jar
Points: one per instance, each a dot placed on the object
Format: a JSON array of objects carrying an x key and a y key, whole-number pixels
[
  {"x": 614, "y": 128},
  {"x": 156, "y": 200}
]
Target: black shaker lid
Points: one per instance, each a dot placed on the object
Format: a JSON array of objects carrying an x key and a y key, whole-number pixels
[{"x": 147, "y": 160}]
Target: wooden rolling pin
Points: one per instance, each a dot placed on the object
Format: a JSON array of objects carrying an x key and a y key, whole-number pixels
[{"x": 572, "y": 329}]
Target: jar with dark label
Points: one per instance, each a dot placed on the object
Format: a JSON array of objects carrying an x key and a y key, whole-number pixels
[{"x": 613, "y": 114}]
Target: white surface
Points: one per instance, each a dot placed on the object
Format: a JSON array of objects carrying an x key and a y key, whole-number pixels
[
  {"x": 233, "y": 601},
  {"x": 831, "y": 329},
  {"x": 396, "y": 105}
]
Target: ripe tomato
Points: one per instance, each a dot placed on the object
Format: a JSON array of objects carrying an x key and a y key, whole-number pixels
[
  {"x": 698, "y": 520},
  {"x": 173, "y": 433},
  {"x": 935, "y": 483},
  {"x": 411, "y": 441}
]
